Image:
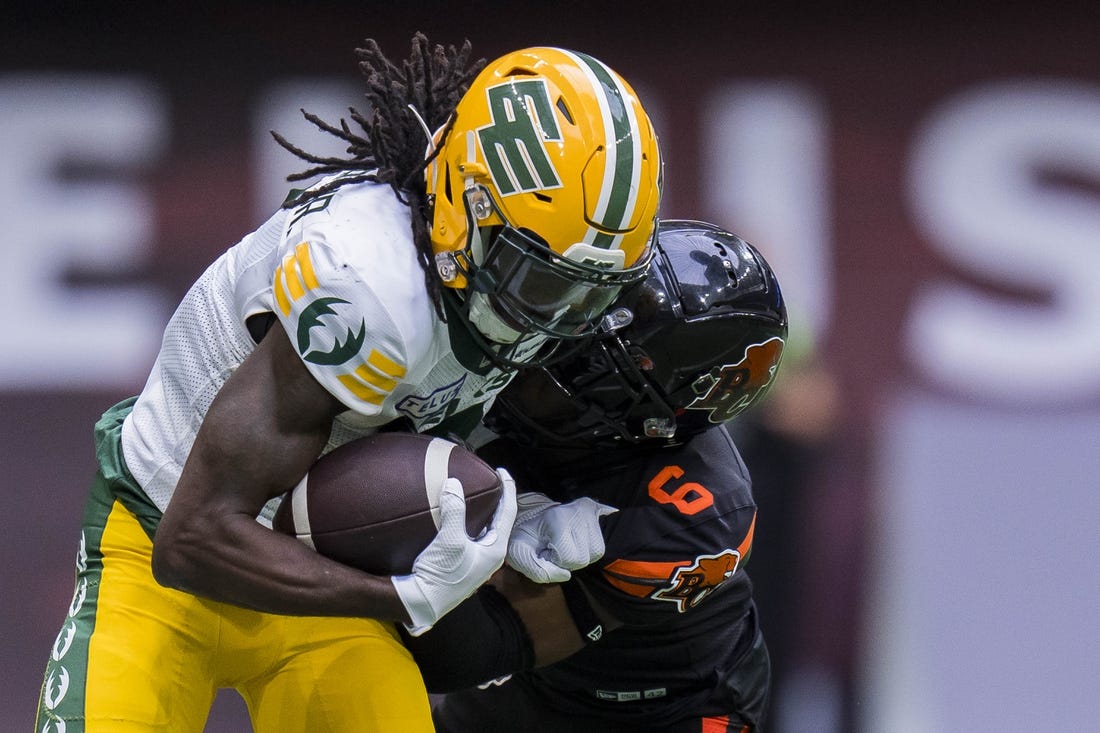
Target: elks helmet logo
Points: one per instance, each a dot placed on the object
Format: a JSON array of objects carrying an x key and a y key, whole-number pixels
[
  {"x": 514, "y": 142},
  {"x": 730, "y": 388},
  {"x": 693, "y": 583}
]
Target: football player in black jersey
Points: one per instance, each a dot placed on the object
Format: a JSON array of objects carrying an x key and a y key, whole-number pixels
[{"x": 625, "y": 442}]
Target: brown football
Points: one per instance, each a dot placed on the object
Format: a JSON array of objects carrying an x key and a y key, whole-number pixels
[{"x": 373, "y": 503}]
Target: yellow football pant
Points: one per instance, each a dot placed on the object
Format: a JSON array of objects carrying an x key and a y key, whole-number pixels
[{"x": 135, "y": 656}]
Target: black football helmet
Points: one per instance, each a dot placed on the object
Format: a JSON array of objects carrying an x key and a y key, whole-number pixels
[{"x": 691, "y": 346}]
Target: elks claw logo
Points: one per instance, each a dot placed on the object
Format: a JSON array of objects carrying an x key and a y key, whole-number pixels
[
  {"x": 693, "y": 583},
  {"x": 340, "y": 351},
  {"x": 55, "y": 688},
  {"x": 64, "y": 640},
  {"x": 730, "y": 388}
]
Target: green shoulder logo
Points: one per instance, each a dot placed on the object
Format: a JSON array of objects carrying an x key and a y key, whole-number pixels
[{"x": 340, "y": 351}]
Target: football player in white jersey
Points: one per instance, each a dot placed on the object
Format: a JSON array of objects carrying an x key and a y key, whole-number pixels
[{"x": 485, "y": 214}]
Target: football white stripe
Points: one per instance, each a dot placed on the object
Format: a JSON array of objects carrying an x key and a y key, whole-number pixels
[
  {"x": 437, "y": 458},
  {"x": 299, "y": 511},
  {"x": 610, "y": 148}
]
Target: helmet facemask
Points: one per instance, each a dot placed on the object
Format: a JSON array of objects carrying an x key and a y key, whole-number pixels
[
  {"x": 601, "y": 397},
  {"x": 523, "y": 297}
]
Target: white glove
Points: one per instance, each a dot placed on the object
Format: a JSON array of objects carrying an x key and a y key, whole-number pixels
[
  {"x": 551, "y": 539},
  {"x": 453, "y": 566}
]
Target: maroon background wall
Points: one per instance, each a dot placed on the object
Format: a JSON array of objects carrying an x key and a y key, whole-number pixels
[{"x": 868, "y": 85}]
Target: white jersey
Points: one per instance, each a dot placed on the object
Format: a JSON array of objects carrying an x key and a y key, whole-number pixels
[{"x": 341, "y": 274}]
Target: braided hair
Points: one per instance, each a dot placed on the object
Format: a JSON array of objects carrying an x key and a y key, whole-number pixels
[{"x": 388, "y": 146}]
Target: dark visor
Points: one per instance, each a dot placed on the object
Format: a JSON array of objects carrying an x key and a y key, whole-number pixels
[{"x": 535, "y": 288}]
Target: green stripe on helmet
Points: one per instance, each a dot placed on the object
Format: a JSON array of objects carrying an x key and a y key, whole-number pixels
[
  {"x": 620, "y": 199},
  {"x": 603, "y": 240}
]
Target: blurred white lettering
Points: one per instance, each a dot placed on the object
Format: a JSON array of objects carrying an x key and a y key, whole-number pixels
[
  {"x": 279, "y": 110},
  {"x": 978, "y": 195},
  {"x": 64, "y": 141},
  {"x": 765, "y": 177}
]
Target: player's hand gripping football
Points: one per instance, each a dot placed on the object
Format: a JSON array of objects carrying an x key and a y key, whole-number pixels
[
  {"x": 455, "y": 565},
  {"x": 551, "y": 539}
]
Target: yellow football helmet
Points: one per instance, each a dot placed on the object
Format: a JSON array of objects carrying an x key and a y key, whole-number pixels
[{"x": 544, "y": 199}]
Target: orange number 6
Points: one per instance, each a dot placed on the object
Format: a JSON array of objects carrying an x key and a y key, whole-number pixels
[{"x": 679, "y": 498}]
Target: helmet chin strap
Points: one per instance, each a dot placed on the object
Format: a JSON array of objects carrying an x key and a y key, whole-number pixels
[
  {"x": 515, "y": 345},
  {"x": 488, "y": 322}
]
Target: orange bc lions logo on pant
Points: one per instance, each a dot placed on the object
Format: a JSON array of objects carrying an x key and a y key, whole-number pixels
[{"x": 730, "y": 388}]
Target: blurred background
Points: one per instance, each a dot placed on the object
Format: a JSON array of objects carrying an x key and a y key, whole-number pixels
[{"x": 926, "y": 183}]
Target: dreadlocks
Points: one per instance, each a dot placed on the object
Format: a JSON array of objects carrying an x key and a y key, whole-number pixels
[{"x": 389, "y": 145}]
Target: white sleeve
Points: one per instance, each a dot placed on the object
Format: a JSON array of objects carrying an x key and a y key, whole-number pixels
[{"x": 339, "y": 326}]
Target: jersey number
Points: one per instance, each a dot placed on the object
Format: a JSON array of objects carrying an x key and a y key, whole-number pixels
[{"x": 689, "y": 497}]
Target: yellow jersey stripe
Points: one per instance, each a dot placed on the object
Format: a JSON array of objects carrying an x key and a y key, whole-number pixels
[
  {"x": 386, "y": 365},
  {"x": 371, "y": 382},
  {"x": 293, "y": 277},
  {"x": 301, "y": 253},
  {"x": 374, "y": 379},
  {"x": 281, "y": 298},
  {"x": 362, "y": 391}
]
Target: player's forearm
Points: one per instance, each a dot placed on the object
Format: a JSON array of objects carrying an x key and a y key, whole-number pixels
[
  {"x": 543, "y": 611},
  {"x": 480, "y": 640},
  {"x": 509, "y": 626},
  {"x": 239, "y": 561}
]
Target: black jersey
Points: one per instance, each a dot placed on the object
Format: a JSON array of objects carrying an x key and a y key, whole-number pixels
[{"x": 673, "y": 575}]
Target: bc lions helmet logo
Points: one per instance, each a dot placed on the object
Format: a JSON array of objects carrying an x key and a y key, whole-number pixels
[{"x": 730, "y": 388}]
